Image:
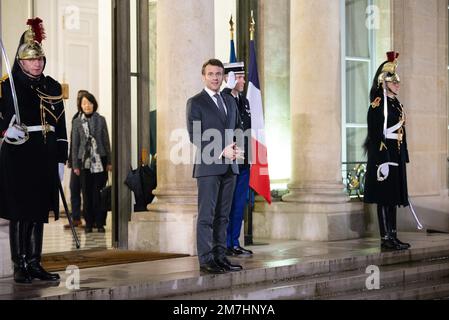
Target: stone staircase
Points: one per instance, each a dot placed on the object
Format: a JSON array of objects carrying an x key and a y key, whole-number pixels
[
  {"x": 278, "y": 271},
  {"x": 413, "y": 274}
]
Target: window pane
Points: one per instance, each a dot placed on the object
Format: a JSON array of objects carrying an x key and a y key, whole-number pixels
[
  {"x": 355, "y": 139},
  {"x": 357, "y": 95},
  {"x": 134, "y": 126},
  {"x": 357, "y": 34},
  {"x": 134, "y": 35},
  {"x": 153, "y": 48}
]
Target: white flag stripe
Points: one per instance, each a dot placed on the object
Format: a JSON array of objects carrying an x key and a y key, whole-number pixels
[{"x": 257, "y": 121}]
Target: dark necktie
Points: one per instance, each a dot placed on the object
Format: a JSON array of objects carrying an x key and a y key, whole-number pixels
[{"x": 220, "y": 104}]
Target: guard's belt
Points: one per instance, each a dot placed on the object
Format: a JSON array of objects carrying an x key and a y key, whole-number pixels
[
  {"x": 41, "y": 128},
  {"x": 390, "y": 134}
]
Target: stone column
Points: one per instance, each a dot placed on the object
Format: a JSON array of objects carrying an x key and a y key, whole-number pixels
[
  {"x": 423, "y": 70},
  {"x": 185, "y": 40},
  {"x": 274, "y": 41},
  {"x": 420, "y": 35},
  {"x": 5, "y": 255},
  {"x": 316, "y": 207}
]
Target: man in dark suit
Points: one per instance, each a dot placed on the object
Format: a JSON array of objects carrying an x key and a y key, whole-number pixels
[
  {"x": 235, "y": 73},
  {"x": 211, "y": 121}
]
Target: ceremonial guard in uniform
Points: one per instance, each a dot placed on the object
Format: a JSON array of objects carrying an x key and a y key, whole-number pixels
[
  {"x": 235, "y": 81},
  {"x": 32, "y": 155},
  {"x": 386, "y": 145}
]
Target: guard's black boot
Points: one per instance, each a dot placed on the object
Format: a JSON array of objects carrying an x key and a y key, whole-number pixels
[
  {"x": 35, "y": 236},
  {"x": 386, "y": 240},
  {"x": 394, "y": 233},
  {"x": 17, "y": 240}
]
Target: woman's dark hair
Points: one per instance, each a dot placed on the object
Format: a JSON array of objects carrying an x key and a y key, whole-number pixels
[
  {"x": 78, "y": 103},
  {"x": 91, "y": 99},
  {"x": 78, "y": 99}
]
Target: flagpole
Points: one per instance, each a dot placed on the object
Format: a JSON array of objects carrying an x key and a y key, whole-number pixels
[
  {"x": 252, "y": 28},
  {"x": 231, "y": 23},
  {"x": 250, "y": 204},
  {"x": 232, "y": 56}
]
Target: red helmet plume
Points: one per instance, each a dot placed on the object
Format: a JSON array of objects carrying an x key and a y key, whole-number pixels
[{"x": 38, "y": 29}]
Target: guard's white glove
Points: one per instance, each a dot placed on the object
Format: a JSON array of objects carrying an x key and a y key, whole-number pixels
[
  {"x": 384, "y": 170},
  {"x": 14, "y": 132},
  {"x": 231, "y": 80},
  {"x": 61, "y": 171}
]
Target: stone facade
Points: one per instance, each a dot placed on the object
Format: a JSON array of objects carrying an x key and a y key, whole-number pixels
[{"x": 5, "y": 255}]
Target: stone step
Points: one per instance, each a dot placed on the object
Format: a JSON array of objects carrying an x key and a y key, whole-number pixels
[
  {"x": 297, "y": 270},
  {"x": 422, "y": 290},
  {"x": 330, "y": 286},
  {"x": 183, "y": 277}
]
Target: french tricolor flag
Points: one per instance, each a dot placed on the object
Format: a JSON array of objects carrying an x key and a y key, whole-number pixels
[{"x": 259, "y": 177}]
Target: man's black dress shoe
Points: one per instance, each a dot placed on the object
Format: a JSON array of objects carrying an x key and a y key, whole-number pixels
[
  {"x": 212, "y": 267},
  {"x": 227, "y": 265},
  {"x": 38, "y": 272},
  {"x": 241, "y": 251}
]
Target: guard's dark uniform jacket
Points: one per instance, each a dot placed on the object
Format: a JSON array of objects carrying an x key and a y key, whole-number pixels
[
  {"x": 30, "y": 171},
  {"x": 245, "y": 124},
  {"x": 393, "y": 190}
]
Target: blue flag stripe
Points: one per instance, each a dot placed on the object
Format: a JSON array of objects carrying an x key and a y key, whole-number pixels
[
  {"x": 233, "y": 57},
  {"x": 253, "y": 75}
]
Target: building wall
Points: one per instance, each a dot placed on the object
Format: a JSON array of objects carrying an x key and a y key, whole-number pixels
[
  {"x": 13, "y": 25},
  {"x": 420, "y": 35}
]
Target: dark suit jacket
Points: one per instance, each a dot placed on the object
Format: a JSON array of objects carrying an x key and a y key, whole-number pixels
[
  {"x": 202, "y": 108},
  {"x": 245, "y": 124}
]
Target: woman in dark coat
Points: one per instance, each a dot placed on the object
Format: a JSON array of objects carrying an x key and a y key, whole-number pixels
[
  {"x": 29, "y": 157},
  {"x": 75, "y": 183},
  {"x": 386, "y": 144},
  {"x": 91, "y": 159}
]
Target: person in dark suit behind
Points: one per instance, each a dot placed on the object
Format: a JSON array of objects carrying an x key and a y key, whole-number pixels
[
  {"x": 235, "y": 73},
  {"x": 75, "y": 183},
  {"x": 215, "y": 166}
]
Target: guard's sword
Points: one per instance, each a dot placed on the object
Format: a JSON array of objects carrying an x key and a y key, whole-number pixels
[
  {"x": 11, "y": 81},
  {"x": 18, "y": 124},
  {"x": 68, "y": 214},
  {"x": 412, "y": 210}
]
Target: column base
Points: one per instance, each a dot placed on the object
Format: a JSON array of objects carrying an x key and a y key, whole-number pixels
[
  {"x": 5, "y": 252},
  {"x": 325, "y": 192},
  {"x": 167, "y": 227},
  {"x": 309, "y": 221}
]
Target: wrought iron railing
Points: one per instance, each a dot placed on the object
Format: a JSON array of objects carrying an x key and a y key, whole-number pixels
[{"x": 354, "y": 178}]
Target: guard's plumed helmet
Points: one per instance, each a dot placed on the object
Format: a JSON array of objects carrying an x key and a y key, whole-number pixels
[
  {"x": 31, "y": 41},
  {"x": 388, "y": 73}
]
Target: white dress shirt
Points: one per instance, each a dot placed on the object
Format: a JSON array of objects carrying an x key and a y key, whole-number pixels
[{"x": 211, "y": 94}]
